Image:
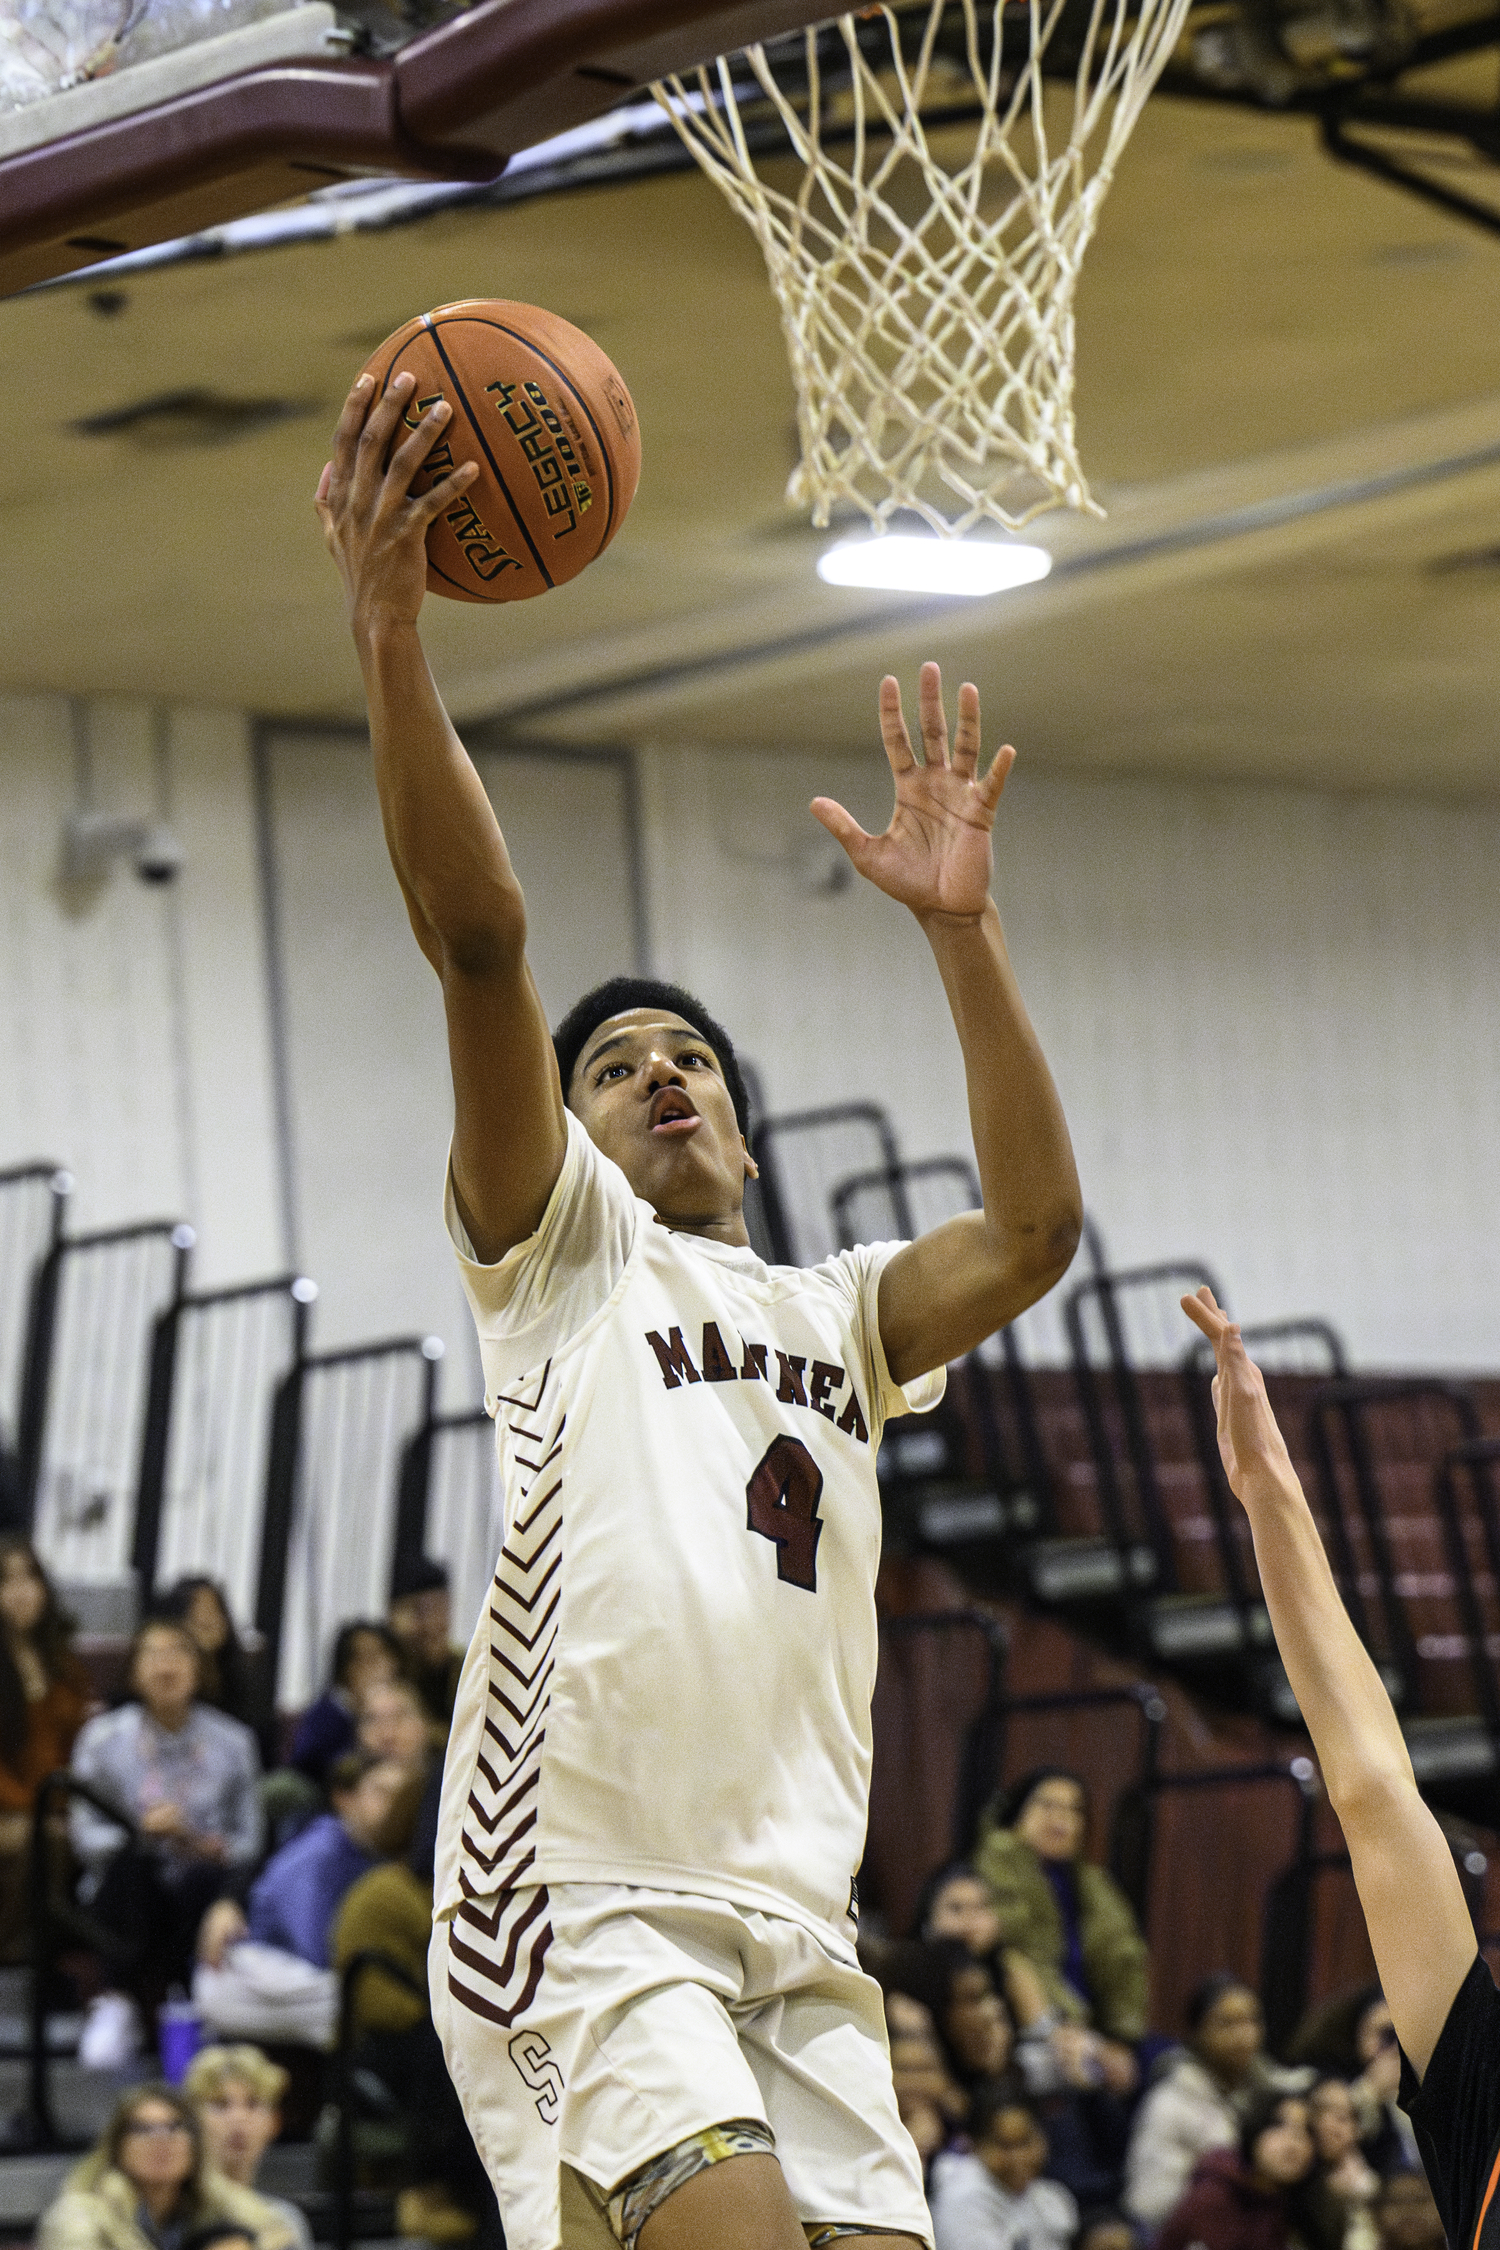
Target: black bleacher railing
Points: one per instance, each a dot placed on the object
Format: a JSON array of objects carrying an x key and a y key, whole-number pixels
[
  {"x": 452, "y": 1504},
  {"x": 803, "y": 1157},
  {"x": 56, "y": 1920},
  {"x": 340, "y": 1427},
  {"x": 1100, "y": 1312},
  {"x": 216, "y": 1360},
  {"x": 33, "y": 1205},
  {"x": 94, "y": 1304},
  {"x": 345, "y": 2088}
]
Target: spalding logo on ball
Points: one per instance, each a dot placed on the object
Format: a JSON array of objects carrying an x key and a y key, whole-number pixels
[{"x": 543, "y": 412}]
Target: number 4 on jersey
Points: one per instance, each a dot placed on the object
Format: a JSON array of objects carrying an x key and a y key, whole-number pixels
[{"x": 781, "y": 1503}]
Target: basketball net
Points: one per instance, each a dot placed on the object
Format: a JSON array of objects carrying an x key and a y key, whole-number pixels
[{"x": 932, "y": 354}]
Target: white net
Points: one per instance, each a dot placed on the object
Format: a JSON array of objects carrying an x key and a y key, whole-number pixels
[{"x": 929, "y": 309}]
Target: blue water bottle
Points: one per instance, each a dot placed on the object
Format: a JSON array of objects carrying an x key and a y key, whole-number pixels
[{"x": 179, "y": 2034}]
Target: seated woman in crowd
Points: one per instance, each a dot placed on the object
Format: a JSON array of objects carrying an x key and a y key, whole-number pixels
[
  {"x": 365, "y": 1655},
  {"x": 44, "y": 1695},
  {"x": 1352, "y": 2037},
  {"x": 237, "y": 2094},
  {"x": 187, "y": 1777},
  {"x": 1253, "y": 2196},
  {"x": 1200, "y": 2096},
  {"x": 393, "y": 1723},
  {"x": 1072, "y": 1925},
  {"x": 224, "y": 1681},
  {"x": 1344, "y": 2185},
  {"x": 148, "y": 2186},
  {"x": 996, "y": 2198}
]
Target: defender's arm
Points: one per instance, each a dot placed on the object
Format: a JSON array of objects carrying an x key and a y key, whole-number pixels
[
  {"x": 461, "y": 892},
  {"x": 1419, "y": 1926},
  {"x": 944, "y": 1294}
]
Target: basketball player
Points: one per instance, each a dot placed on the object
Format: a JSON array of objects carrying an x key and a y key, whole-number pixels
[
  {"x": 643, "y": 1964},
  {"x": 1441, "y": 1996}
]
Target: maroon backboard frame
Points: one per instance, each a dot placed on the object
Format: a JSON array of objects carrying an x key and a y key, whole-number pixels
[{"x": 454, "y": 104}]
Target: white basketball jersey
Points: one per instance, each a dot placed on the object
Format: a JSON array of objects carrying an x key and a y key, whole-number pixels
[{"x": 671, "y": 1683}]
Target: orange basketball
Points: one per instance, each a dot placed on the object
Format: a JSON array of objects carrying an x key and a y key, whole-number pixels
[{"x": 544, "y": 413}]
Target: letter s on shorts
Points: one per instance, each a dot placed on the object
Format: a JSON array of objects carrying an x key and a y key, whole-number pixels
[{"x": 532, "y": 2057}]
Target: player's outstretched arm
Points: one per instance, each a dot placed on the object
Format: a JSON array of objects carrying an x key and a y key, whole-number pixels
[
  {"x": 1419, "y": 1926},
  {"x": 944, "y": 1294},
  {"x": 461, "y": 891}
]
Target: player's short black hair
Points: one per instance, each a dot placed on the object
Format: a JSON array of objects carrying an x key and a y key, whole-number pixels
[{"x": 619, "y": 993}]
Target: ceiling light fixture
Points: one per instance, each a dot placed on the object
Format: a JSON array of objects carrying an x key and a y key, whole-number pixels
[{"x": 899, "y": 564}]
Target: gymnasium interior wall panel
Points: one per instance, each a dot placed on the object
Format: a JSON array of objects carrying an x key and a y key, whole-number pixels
[
  {"x": 133, "y": 1022},
  {"x": 368, "y": 1098},
  {"x": 1273, "y": 1014}
]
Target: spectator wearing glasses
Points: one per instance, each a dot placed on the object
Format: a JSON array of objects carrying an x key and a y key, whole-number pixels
[{"x": 147, "y": 2186}]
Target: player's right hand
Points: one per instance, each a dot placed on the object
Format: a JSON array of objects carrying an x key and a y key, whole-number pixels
[
  {"x": 1251, "y": 1445},
  {"x": 375, "y": 526}
]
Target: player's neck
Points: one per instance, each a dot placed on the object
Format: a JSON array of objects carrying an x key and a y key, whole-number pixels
[{"x": 729, "y": 1229}]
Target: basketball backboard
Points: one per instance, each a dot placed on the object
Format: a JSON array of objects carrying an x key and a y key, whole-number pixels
[{"x": 215, "y": 128}]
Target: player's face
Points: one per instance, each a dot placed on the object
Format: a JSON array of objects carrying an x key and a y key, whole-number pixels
[{"x": 649, "y": 1092}]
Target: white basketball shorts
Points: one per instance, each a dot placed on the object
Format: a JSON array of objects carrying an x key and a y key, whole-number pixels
[{"x": 588, "y": 2028}]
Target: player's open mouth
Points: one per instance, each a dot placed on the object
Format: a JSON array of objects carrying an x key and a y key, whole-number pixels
[{"x": 673, "y": 1116}]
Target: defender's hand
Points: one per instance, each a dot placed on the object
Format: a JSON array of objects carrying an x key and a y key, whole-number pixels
[
  {"x": 375, "y": 526},
  {"x": 1251, "y": 1445},
  {"x": 935, "y": 857}
]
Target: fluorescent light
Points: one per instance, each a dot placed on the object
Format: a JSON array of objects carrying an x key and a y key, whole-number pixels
[{"x": 898, "y": 564}]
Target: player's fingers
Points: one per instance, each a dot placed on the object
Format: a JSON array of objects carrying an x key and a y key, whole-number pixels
[
  {"x": 934, "y": 719},
  {"x": 966, "y": 733},
  {"x": 375, "y": 438},
  {"x": 426, "y": 506},
  {"x": 1205, "y": 1314},
  {"x": 350, "y": 422},
  {"x": 893, "y": 726},
  {"x": 320, "y": 497},
  {"x": 415, "y": 447},
  {"x": 842, "y": 827},
  {"x": 992, "y": 787}
]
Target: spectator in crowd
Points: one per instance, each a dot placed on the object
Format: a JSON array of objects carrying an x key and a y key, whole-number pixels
[
  {"x": 1253, "y": 2196},
  {"x": 147, "y": 2186},
  {"x": 996, "y": 2198},
  {"x": 1344, "y": 2186},
  {"x": 394, "y": 1723},
  {"x": 971, "y": 2021},
  {"x": 1406, "y": 2217},
  {"x": 187, "y": 1777},
  {"x": 931, "y": 2104},
  {"x": 44, "y": 1694},
  {"x": 224, "y": 1682},
  {"x": 297, "y": 1895},
  {"x": 1071, "y": 1923},
  {"x": 389, "y": 1911},
  {"x": 1104, "y": 2228},
  {"x": 237, "y": 2093},
  {"x": 957, "y": 1902},
  {"x": 365, "y": 1655},
  {"x": 1199, "y": 2098},
  {"x": 421, "y": 1617},
  {"x": 1352, "y": 2037}
]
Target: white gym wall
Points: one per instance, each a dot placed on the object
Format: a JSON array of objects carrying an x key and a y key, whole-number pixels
[{"x": 1273, "y": 1012}]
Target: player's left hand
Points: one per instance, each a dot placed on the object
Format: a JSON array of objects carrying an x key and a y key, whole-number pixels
[{"x": 935, "y": 857}]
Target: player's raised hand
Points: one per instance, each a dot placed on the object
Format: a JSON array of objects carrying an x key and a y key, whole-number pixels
[
  {"x": 935, "y": 857},
  {"x": 1251, "y": 1445},
  {"x": 375, "y": 525}
]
